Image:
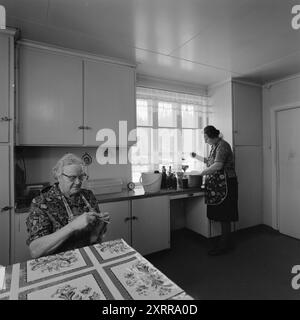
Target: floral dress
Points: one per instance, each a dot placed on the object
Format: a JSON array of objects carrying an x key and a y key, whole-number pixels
[
  {"x": 48, "y": 214},
  {"x": 221, "y": 186}
]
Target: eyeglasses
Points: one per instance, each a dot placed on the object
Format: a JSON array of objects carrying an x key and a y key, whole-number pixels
[{"x": 82, "y": 177}]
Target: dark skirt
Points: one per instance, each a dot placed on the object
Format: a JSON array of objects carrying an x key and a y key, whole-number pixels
[{"x": 228, "y": 209}]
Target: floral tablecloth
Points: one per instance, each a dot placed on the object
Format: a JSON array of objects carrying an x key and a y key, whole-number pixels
[{"x": 107, "y": 271}]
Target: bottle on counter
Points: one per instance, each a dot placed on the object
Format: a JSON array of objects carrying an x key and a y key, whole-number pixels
[
  {"x": 169, "y": 179},
  {"x": 174, "y": 181},
  {"x": 163, "y": 178}
]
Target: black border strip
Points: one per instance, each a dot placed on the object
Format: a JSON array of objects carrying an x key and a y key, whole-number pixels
[
  {"x": 23, "y": 271},
  {"x": 24, "y": 295}
]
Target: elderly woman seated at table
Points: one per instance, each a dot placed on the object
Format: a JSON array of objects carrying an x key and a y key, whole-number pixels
[{"x": 65, "y": 216}]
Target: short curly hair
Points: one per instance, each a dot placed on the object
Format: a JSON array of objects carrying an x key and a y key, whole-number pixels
[{"x": 66, "y": 160}]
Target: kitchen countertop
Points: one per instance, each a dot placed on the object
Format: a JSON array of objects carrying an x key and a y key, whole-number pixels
[{"x": 138, "y": 193}]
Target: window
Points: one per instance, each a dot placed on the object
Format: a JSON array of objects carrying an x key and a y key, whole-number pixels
[{"x": 169, "y": 128}]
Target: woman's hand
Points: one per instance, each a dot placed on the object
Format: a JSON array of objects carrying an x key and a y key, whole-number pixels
[
  {"x": 85, "y": 220},
  {"x": 100, "y": 227}
]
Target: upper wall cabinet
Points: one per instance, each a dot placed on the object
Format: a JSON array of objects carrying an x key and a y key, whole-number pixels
[
  {"x": 65, "y": 98},
  {"x": 109, "y": 97},
  {"x": 4, "y": 88},
  {"x": 247, "y": 114},
  {"x": 50, "y": 98}
]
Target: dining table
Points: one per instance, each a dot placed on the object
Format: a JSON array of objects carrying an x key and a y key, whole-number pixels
[{"x": 110, "y": 270}]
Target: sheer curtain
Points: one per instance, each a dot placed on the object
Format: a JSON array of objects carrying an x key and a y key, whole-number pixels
[{"x": 169, "y": 127}]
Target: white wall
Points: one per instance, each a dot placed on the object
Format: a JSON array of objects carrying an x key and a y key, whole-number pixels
[
  {"x": 40, "y": 160},
  {"x": 221, "y": 111},
  {"x": 278, "y": 94}
]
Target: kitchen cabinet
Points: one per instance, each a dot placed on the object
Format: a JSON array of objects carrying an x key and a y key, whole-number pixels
[
  {"x": 247, "y": 133},
  {"x": 250, "y": 186},
  {"x": 7, "y": 123},
  {"x": 4, "y": 87},
  {"x": 21, "y": 252},
  {"x": 50, "y": 98},
  {"x": 151, "y": 224},
  {"x": 247, "y": 114},
  {"x": 5, "y": 205},
  {"x": 109, "y": 97},
  {"x": 120, "y": 223},
  {"x": 66, "y": 98}
]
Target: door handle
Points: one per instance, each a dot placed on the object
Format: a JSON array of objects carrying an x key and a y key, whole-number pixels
[
  {"x": 5, "y": 119},
  {"x": 6, "y": 208}
]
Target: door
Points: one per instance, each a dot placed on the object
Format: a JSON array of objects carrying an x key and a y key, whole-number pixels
[
  {"x": 151, "y": 224},
  {"x": 51, "y": 98},
  {"x": 288, "y": 160},
  {"x": 4, "y": 206},
  {"x": 4, "y": 88},
  {"x": 119, "y": 226}
]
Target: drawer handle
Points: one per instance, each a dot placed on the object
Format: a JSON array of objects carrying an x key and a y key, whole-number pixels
[
  {"x": 6, "y": 208},
  {"x": 84, "y": 128}
]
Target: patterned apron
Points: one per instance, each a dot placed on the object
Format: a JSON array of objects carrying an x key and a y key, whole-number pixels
[{"x": 216, "y": 188}]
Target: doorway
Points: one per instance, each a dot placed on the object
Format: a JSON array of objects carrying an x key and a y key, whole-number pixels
[{"x": 288, "y": 171}]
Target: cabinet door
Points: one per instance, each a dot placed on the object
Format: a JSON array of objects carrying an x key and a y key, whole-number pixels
[
  {"x": 247, "y": 111},
  {"x": 119, "y": 226},
  {"x": 4, "y": 202},
  {"x": 109, "y": 98},
  {"x": 22, "y": 252},
  {"x": 51, "y": 102},
  {"x": 249, "y": 172},
  {"x": 151, "y": 224},
  {"x": 4, "y": 87}
]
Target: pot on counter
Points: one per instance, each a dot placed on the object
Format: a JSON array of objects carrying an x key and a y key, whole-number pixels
[{"x": 194, "y": 180}]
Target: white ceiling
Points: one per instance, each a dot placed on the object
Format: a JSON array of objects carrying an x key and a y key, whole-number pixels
[{"x": 195, "y": 41}]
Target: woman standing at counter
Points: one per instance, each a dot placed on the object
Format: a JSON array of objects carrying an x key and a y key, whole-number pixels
[
  {"x": 221, "y": 187},
  {"x": 66, "y": 216}
]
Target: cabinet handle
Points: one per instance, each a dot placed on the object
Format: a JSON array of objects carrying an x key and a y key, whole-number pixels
[
  {"x": 134, "y": 218},
  {"x": 5, "y": 119},
  {"x": 6, "y": 208},
  {"x": 127, "y": 219},
  {"x": 235, "y": 131},
  {"x": 84, "y": 128}
]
